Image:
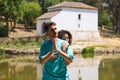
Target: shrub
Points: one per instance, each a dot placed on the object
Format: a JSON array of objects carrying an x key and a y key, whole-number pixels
[
  {"x": 88, "y": 52},
  {"x": 2, "y": 51},
  {"x": 3, "y": 31}
]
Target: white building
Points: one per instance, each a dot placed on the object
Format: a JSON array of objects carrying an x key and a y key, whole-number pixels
[{"x": 78, "y": 18}]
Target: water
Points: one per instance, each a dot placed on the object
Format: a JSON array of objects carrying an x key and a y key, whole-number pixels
[
  {"x": 109, "y": 69},
  {"x": 17, "y": 71},
  {"x": 80, "y": 69},
  {"x": 84, "y": 69}
]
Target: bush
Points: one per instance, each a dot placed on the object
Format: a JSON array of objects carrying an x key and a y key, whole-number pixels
[
  {"x": 2, "y": 51},
  {"x": 88, "y": 52},
  {"x": 3, "y": 31}
]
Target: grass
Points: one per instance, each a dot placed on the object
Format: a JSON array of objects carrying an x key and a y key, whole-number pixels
[
  {"x": 22, "y": 45},
  {"x": 4, "y": 56},
  {"x": 17, "y": 45},
  {"x": 103, "y": 46}
]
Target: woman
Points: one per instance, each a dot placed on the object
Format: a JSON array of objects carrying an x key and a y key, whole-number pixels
[{"x": 65, "y": 35}]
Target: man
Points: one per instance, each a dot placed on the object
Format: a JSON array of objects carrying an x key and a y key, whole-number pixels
[{"x": 51, "y": 55}]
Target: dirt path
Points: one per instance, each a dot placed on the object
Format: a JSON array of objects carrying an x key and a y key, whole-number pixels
[
  {"x": 22, "y": 33},
  {"x": 111, "y": 41}
]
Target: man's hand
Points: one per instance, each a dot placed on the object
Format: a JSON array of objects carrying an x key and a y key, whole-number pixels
[{"x": 55, "y": 44}]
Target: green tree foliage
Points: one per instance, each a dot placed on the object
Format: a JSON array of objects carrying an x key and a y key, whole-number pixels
[
  {"x": 10, "y": 9},
  {"x": 104, "y": 18},
  {"x": 90, "y": 2},
  {"x": 31, "y": 11},
  {"x": 15, "y": 12},
  {"x": 25, "y": 10},
  {"x": 32, "y": 0}
]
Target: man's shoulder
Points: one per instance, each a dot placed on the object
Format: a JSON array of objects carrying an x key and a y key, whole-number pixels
[{"x": 47, "y": 42}]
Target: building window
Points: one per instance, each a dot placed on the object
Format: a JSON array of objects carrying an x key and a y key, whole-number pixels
[
  {"x": 79, "y": 16},
  {"x": 78, "y": 25}
]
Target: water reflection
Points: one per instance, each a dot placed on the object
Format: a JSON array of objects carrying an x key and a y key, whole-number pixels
[
  {"x": 80, "y": 69},
  {"x": 17, "y": 71},
  {"x": 109, "y": 69},
  {"x": 84, "y": 69}
]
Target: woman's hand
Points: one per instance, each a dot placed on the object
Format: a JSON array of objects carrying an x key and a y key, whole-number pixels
[
  {"x": 53, "y": 57},
  {"x": 64, "y": 46}
]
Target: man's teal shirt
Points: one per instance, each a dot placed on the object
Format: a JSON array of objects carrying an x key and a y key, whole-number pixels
[{"x": 55, "y": 69}]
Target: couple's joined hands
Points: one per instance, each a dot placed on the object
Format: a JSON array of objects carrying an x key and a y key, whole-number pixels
[{"x": 53, "y": 56}]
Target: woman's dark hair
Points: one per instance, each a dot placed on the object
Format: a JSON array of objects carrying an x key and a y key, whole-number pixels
[{"x": 61, "y": 34}]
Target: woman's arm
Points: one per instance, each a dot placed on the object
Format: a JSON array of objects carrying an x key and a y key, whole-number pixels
[{"x": 66, "y": 57}]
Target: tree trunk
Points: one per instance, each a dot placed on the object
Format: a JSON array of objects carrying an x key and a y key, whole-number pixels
[
  {"x": 11, "y": 23},
  {"x": 6, "y": 19},
  {"x": 117, "y": 27},
  {"x": 7, "y": 25},
  {"x": 42, "y": 4},
  {"x": 14, "y": 23}
]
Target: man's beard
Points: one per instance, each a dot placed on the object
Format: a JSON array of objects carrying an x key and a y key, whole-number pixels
[{"x": 55, "y": 35}]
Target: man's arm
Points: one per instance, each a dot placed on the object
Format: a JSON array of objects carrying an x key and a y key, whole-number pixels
[
  {"x": 44, "y": 53},
  {"x": 45, "y": 57}
]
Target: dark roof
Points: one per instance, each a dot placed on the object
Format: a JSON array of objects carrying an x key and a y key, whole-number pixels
[
  {"x": 48, "y": 15},
  {"x": 73, "y": 5}
]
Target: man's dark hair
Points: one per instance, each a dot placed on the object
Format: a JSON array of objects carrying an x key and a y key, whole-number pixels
[{"x": 48, "y": 25}]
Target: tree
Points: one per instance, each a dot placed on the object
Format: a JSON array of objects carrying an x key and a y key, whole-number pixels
[
  {"x": 90, "y": 2},
  {"x": 31, "y": 11},
  {"x": 114, "y": 11},
  {"x": 44, "y": 4},
  {"x": 15, "y": 12},
  {"x": 10, "y": 9}
]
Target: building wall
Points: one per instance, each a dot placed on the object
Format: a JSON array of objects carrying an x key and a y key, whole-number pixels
[
  {"x": 68, "y": 19},
  {"x": 86, "y": 35},
  {"x": 85, "y": 28}
]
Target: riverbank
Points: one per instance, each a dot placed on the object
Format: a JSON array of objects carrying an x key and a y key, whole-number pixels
[
  {"x": 109, "y": 44},
  {"x": 97, "y": 51},
  {"x": 34, "y": 57}
]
